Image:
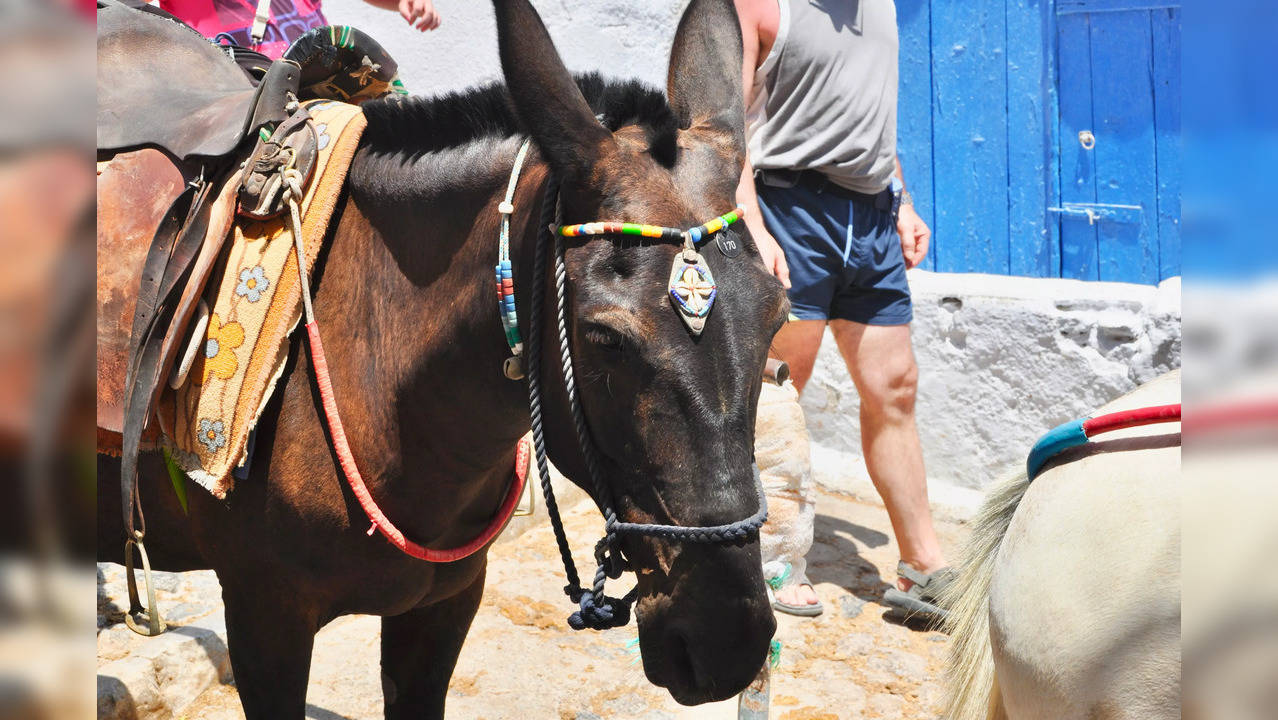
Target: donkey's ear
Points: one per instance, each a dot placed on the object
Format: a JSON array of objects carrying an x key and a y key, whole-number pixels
[
  {"x": 546, "y": 98},
  {"x": 704, "y": 80}
]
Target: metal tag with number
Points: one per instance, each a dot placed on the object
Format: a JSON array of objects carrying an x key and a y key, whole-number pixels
[{"x": 729, "y": 243}]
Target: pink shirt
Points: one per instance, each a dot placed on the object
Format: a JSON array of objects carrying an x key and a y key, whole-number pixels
[{"x": 234, "y": 19}]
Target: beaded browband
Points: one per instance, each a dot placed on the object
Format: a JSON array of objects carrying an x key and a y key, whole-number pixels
[
  {"x": 653, "y": 231},
  {"x": 692, "y": 288}
]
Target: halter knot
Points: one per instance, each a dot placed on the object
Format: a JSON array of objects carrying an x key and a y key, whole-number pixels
[
  {"x": 610, "y": 559},
  {"x": 610, "y": 612}
]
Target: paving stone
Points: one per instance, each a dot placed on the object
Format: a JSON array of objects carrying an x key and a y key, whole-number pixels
[
  {"x": 183, "y": 613},
  {"x": 901, "y": 665},
  {"x": 850, "y": 606},
  {"x": 887, "y": 707},
  {"x": 127, "y": 690},
  {"x": 166, "y": 581},
  {"x": 855, "y": 645}
]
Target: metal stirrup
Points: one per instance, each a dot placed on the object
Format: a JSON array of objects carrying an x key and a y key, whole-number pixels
[{"x": 154, "y": 624}]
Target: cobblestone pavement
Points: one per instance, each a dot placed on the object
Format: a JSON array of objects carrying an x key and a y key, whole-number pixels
[{"x": 522, "y": 662}]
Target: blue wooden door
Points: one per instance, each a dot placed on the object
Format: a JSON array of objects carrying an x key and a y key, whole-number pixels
[
  {"x": 1042, "y": 137},
  {"x": 1118, "y": 139}
]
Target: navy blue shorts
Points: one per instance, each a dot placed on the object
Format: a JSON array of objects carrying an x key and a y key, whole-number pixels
[{"x": 844, "y": 255}]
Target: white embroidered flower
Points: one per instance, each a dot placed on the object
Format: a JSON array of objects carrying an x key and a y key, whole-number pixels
[
  {"x": 253, "y": 283},
  {"x": 212, "y": 434}
]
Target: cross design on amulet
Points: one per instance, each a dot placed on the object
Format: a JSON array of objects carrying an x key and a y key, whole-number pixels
[{"x": 694, "y": 289}]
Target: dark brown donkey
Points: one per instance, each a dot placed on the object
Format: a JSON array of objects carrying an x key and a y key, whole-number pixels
[{"x": 405, "y": 298}]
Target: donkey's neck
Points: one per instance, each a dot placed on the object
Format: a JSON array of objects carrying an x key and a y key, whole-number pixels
[{"x": 408, "y": 306}]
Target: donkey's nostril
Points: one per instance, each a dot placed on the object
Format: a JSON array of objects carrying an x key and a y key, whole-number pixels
[{"x": 679, "y": 655}]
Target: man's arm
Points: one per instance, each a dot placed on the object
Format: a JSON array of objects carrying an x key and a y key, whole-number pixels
[
  {"x": 420, "y": 13},
  {"x": 915, "y": 235},
  {"x": 751, "y": 14}
]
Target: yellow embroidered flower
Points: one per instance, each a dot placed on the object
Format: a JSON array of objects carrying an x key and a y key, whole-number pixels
[{"x": 219, "y": 349}]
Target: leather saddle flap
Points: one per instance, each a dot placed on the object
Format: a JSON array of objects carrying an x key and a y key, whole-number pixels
[{"x": 161, "y": 83}]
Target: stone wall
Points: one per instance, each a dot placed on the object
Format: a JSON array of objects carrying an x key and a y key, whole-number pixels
[{"x": 1001, "y": 360}]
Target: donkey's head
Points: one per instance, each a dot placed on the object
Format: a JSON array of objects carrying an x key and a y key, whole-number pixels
[{"x": 671, "y": 413}]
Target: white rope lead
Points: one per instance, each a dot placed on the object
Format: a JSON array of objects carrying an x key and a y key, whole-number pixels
[{"x": 293, "y": 196}]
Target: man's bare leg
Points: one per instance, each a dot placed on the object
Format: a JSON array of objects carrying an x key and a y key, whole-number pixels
[
  {"x": 797, "y": 344},
  {"x": 880, "y": 360}
]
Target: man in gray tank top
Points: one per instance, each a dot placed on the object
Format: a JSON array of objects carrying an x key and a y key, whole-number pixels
[{"x": 826, "y": 205}]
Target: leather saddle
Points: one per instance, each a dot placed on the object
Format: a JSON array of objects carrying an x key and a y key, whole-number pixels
[
  {"x": 162, "y": 84},
  {"x": 188, "y": 136},
  {"x": 176, "y": 116}
]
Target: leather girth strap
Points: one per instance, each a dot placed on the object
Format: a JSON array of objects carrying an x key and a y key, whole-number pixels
[{"x": 173, "y": 250}]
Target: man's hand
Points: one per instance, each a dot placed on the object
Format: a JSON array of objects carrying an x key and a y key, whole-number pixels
[
  {"x": 419, "y": 13},
  {"x": 772, "y": 254},
  {"x": 914, "y": 233}
]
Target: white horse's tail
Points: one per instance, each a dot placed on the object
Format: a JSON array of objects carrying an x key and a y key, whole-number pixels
[{"x": 971, "y": 684}]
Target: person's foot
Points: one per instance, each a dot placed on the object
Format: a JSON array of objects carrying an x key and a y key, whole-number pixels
[
  {"x": 791, "y": 593},
  {"x": 904, "y": 583},
  {"x": 920, "y": 594},
  {"x": 798, "y": 595}
]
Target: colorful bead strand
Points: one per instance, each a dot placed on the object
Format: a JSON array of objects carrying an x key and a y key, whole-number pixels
[
  {"x": 695, "y": 234},
  {"x": 506, "y": 299},
  {"x": 653, "y": 231}
]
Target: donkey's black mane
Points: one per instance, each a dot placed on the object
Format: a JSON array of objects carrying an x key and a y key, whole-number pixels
[{"x": 429, "y": 124}]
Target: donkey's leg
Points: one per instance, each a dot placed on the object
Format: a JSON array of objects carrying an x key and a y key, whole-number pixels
[
  {"x": 419, "y": 651},
  {"x": 270, "y": 639}
]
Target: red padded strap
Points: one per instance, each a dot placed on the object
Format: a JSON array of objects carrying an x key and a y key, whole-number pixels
[
  {"x": 366, "y": 501},
  {"x": 1131, "y": 418}
]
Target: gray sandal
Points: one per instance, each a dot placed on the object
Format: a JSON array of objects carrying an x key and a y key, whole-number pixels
[{"x": 922, "y": 597}]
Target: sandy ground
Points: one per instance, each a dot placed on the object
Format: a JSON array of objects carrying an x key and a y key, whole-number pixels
[{"x": 521, "y": 661}]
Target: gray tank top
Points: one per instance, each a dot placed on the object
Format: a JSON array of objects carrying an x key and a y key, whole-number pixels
[{"x": 825, "y": 97}]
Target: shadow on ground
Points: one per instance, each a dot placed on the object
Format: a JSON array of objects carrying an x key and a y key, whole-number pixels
[
  {"x": 318, "y": 713},
  {"x": 917, "y": 623},
  {"x": 835, "y": 558}
]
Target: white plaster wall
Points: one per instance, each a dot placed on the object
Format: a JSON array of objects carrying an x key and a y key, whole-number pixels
[
  {"x": 1001, "y": 360},
  {"x": 621, "y": 38}
]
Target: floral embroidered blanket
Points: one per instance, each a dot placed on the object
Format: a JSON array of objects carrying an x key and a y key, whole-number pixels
[{"x": 256, "y": 305}]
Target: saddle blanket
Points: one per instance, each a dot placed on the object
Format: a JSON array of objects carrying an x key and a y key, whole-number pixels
[{"x": 258, "y": 302}]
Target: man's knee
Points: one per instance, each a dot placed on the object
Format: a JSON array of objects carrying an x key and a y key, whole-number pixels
[{"x": 891, "y": 388}]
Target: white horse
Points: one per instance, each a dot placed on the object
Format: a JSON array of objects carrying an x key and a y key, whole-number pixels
[{"x": 1068, "y": 601}]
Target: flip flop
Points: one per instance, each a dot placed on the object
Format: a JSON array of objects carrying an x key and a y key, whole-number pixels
[
  {"x": 804, "y": 610},
  {"x": 782, "y": 579},
  {"x": 922, "y": 597}
]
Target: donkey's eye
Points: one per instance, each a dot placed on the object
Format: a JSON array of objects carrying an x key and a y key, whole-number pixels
[
  {"x": 605, "y": 337},
  {"x": 622, "y": 267}
]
